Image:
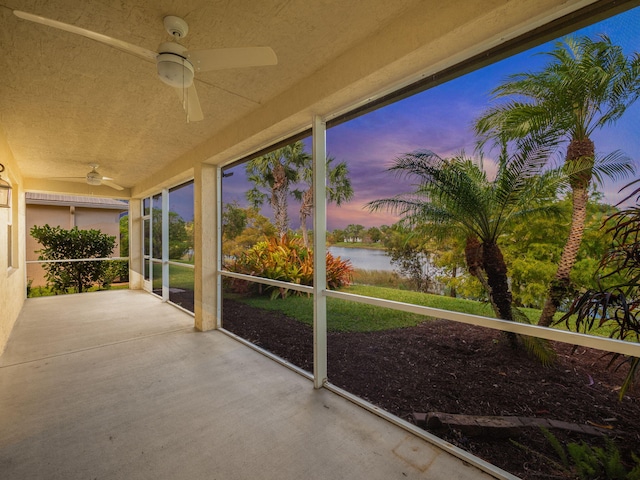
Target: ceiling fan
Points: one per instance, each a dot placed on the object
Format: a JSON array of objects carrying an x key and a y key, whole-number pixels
[
  {"x": 93, "y": 178},
  {"x": 175, "y": 64}
]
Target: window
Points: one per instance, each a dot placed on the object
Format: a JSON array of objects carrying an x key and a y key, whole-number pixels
[{"x": 400, "y": 334}]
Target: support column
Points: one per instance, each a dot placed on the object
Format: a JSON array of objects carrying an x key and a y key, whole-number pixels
[
  {"x": 165, "y": 245},
  {"x": 205, "y": 191},
  {"x": 136, "y": 264},
  {"x": 319, "y": 252}
]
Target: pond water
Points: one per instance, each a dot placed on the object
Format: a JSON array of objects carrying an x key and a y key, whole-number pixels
[{"x": 364, "y": 258}]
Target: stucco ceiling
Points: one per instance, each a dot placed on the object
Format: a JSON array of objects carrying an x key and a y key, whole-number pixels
[{"x": 68, "y": 101}]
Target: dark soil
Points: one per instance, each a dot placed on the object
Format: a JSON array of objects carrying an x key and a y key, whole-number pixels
[{"x": 443, "y": 366}]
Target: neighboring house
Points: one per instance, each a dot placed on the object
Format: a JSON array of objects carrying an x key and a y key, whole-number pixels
[{"x": 69, "y": 211}]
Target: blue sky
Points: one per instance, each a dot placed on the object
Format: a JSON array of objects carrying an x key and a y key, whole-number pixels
[{"x": 440, "y": 119}]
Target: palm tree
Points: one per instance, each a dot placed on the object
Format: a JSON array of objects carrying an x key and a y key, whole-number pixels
[
  {"x": 455, "y": 193},
  {"x": 339, "y": 189},
  {"x": 587, "y": 85},
  {"x": 276, "y": 171},
  {"x": 618, "y": 304}
]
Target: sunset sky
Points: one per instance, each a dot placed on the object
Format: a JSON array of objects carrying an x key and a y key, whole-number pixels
[{"x": 440, "y": 120}]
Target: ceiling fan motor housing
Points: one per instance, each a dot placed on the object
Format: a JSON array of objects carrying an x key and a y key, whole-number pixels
[
  {"x": 94, "y": 178},
  {"x": 173, "y": 68}
]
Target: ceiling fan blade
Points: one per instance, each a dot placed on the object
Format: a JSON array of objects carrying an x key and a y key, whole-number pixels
[
  {"x": 68, "y": 179},
  {"x": 112, "y": 42},
  {"x": 191, "y": 104},
  {"x": 223, "y": 58},
  {"x": 107, "y": 181}
]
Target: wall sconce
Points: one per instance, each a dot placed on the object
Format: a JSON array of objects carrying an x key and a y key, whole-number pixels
[{"x": 5, "y": 191}]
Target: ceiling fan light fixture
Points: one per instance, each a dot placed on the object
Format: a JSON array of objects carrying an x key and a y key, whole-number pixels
[
  {"x": 94, "y": 178},
  {"x": 175, "y": 70}
]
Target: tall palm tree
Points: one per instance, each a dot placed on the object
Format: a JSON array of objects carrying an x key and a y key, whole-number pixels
[
  {"x": 339, "y": 189},
  {"x": 276, "y": 171},
  {"x": 586, "y": 85},
  {"x": 617, "y": 305},
  {"x": 455, "y": 193}
]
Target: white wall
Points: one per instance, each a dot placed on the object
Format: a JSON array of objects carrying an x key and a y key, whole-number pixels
[{"x": 12, "y": 277}]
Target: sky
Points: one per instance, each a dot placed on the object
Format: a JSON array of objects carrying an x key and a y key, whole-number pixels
[{"x": 440, "y": 119}]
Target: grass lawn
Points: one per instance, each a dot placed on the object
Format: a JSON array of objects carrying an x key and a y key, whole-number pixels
[
  {"x": 346, "y": 316},
  {"x": 181, "y": 277}
]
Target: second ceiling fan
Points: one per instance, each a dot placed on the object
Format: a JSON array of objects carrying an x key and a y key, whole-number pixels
[{"x": 176, "y": 65}]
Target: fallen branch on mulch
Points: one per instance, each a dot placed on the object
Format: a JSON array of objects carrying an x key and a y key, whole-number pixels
[{"x": 498, "y": 426}]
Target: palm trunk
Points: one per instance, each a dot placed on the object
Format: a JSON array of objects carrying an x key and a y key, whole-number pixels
[
  {"x": 580, "y": 159},
  {"x": 479, "y": 257},
  {"x": 561, "y": 284},
  {"x": 279, "y": 200},
  {"x": 306, "y": 209},
  {"x": 454, "y": 273},
  {"x": 496, "y": 270},
  {"x": 487, "y": 258}
]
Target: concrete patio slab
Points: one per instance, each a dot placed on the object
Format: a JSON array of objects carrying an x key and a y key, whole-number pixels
[{"x": 118, "y": 385}]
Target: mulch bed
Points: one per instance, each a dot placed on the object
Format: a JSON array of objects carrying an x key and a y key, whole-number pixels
[{"x": 443, "y": 366}]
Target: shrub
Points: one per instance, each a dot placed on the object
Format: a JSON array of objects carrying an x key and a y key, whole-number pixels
[
  {"x": 115, "y": 269},
  {"x": 287, "y": 260},
  {"x": 60, "y": 244}
]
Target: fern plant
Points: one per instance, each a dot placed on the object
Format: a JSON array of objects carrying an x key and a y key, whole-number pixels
[{"x": 591, "y": 462}]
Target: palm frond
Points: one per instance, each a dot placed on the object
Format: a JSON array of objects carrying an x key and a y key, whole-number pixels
[
  {"x": 614, "y": 166},
  {"x": 586, "y": 84},
  {"x": 538, "y": 347}
]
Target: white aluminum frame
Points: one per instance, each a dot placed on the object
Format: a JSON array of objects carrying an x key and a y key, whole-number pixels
[{"x": 319, "y": 153}]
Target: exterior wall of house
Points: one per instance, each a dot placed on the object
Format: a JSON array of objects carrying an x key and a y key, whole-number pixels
[
  {"x": 12, "y": 251},
  {"x": 65, "y": 216}
]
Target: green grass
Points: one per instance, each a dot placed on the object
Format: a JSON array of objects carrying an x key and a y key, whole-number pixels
[
  {"x": 342, "y": 315},
  {"x": 347, "y": 316},
  {"x": 181, "y": 277},
  {"x": 423, "y": 299}
]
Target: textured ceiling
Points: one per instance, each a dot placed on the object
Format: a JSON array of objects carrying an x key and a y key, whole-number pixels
[{"x": 68, "y": 101}]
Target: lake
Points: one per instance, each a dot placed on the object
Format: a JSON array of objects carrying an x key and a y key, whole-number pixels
[{"x": 364, "y": 258}]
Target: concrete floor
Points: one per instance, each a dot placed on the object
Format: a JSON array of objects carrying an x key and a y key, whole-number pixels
[{"x": 118, "y": 385}]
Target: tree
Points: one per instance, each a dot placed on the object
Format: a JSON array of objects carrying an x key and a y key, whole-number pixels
[
  {"x": 60, "y": 244},
  {"x": 339, "y": 188},
  {"x": 234, "y": 220},
  {"x": 180, "y": 241},
  {"x": 353, "y": 232},
  {"x": 257, "y": 228},
  {"x": 455, "y": 195},
  {"x": 275, "y": 171},
  {"x": 586, "y": 85},
  {"x": 124, "y": 236},
  {"x": 407, "y": 250},
  {"x": 374, "y": 234},
  {"x": 619, "y": 302},
  {"x": 335, "y": 236},
  {"x": 534, "y": 247}
]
